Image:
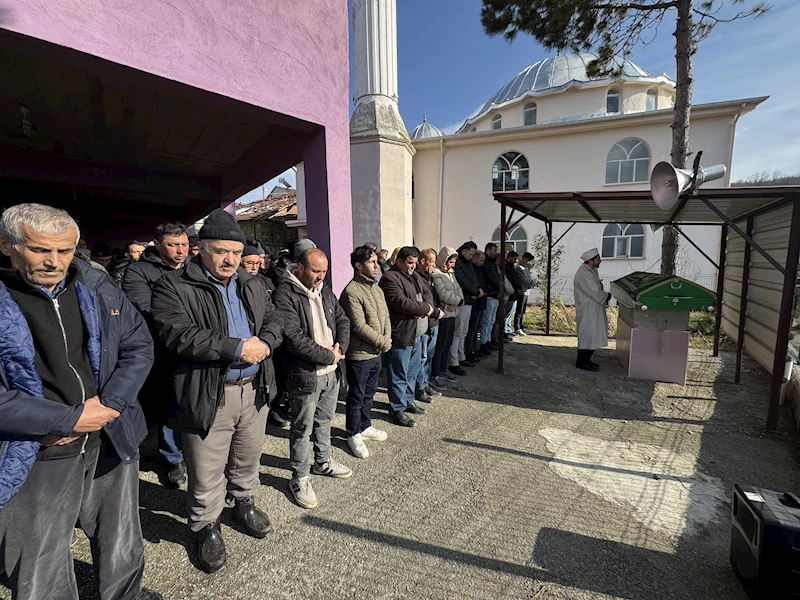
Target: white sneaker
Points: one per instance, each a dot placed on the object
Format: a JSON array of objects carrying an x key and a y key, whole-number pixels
[
  {"x": 520, "y": 332},
  {"x": 303, "y": 492},
  {"x": 373, "y": 433},
  {"x": 357, "y": 446},
  {"x": 332, "y": 469}
]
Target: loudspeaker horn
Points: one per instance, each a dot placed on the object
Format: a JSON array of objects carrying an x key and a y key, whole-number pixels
[{"x": 668, "y": 183}]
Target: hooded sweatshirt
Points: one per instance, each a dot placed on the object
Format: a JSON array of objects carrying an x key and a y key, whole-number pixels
[
  {"x": 447, "y": 288},
  {"x": 322, "y": 333}
]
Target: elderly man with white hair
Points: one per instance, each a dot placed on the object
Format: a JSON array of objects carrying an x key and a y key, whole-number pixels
[
  {"x": 74, "y": 353},
  {"x": 590, "y": 309}
]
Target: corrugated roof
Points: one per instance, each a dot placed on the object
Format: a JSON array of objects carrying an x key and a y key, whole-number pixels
[
  {"x": 279, "y": 207},
  {"x": 638, "y": 206}
]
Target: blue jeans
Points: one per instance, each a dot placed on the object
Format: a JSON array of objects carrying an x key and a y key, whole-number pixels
[
  {"x": 169, "y": 444},
  {"x": 362, "y": 382},
  {"x": 487, "y": 321},
  {"x": 402, "y": 366},
  {"x": 428, "y": 348},
  {"x": 511, "y": 308}
]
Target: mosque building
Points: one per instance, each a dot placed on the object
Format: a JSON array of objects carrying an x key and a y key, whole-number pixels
[{"x": 553, "y": 128}]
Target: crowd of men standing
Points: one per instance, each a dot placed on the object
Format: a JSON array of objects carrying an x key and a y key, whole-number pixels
[{"x": 206, "y": 338}]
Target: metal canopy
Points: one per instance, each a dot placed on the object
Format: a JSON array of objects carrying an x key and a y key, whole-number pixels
[
  {"x": 638, "y": 207},
  {"x": 730, "y": 208}
]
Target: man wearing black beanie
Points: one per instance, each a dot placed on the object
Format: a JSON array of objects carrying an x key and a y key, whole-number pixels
[{"x": 218, "y": 322}]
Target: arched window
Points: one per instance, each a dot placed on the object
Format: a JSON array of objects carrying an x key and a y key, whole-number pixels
[
  {"x": 516, "y": 239},
  {"x": 628, "y": 162},
  {"x": 623, "y": 241},
  {"x": 530, "y": 113},
  {"x": 510, "y": 172},
  {"x": 473, "y": 129},
  {"x": 651, "y": 99},
  {"x": 612, "y": 101},
  {"x": 497, "y": 122}
]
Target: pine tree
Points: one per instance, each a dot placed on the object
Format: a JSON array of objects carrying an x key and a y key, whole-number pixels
[{"x": 613, "y": 28}]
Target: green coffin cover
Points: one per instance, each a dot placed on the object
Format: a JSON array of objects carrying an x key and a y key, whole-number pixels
[{"x": 663, "y": 292}]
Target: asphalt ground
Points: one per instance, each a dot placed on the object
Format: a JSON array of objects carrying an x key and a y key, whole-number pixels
[{"x": 543, "y": 483}]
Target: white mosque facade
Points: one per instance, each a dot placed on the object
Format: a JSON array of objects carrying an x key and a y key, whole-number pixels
[{"x": 553, "y": 128}]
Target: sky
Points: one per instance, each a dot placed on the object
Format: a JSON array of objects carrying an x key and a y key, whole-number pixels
[{"x": 448, "y": 67}]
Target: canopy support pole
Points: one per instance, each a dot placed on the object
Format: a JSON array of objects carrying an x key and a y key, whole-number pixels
[
  {"x": 747, "y": 236},
  {"x": 743, "y": 301},
  {"x": 723, "y": 245},
  {"x": 784, "y": 319},
  {"x": 696, "y": 247},
  {"x": 501, "y": 308},
  {"x": 549, "y": 228}
]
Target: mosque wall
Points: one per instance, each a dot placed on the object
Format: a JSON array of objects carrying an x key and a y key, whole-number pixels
[
  {"x": 578, "y": 101},
  {"x": 568, "y": 157}
]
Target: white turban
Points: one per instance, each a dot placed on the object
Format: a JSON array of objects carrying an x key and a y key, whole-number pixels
[{"x": 590, "y": 254}]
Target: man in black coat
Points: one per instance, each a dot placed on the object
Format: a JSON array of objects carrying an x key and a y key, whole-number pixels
[
  {"x": 74, "y": 354},
  {"x": 410, "y": 305},
  {"x": 491, "y": 276},
  {"x": 170, "y": 250},
  {"x": 316, "y": 337},
  {"x": 220, "y": 327},
  {"x": 471, "y": 347},
  {"x": 468, "y": 280}
]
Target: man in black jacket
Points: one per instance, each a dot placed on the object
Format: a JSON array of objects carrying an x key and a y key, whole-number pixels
[
  {"x": 74, "y": 353},
  {"x": 409, "y": 309},
  {"x": 471, "y": 347},
  {"x": 425, "y": 266},
  {"x": 465, "y": 275},
  {"x": 491, "y": 276},
  {"x": 169, "y": 252},
  {"x": 217, "y": 322},
  {"x": 133, "y": 252},
  {"x": 513, "y": 277},
  {"x": 316, "y": 336}
]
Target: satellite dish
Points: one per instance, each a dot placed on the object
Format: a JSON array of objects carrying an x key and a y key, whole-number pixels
[{"x": 668, "y": 183}]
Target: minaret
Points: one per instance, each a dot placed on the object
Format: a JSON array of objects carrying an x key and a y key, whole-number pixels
[{"x": 380, "y": 149}]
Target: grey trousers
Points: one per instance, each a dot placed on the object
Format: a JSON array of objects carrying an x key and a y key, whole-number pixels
[
  {"x": 231, "y": 451},
  {"x": 36, "y": 527},
  {"x": 312, "y": 414},
  {"x": 460, "y": 336}
]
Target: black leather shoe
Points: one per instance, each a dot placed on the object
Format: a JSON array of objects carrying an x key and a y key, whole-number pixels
[
  {"x": 415, "y": 410},
  {"x": 146, "y": 594},
  {"x": 467, "y": 363},
  {"x": 279, "y": 420},
  {"x": 485, "y": 350},
  {"x": 211, "y": 555},
  {"x": 403, "y": 419},
  {"x": 255, "y": 521},
  {"x": 457, "y": 371},
  {"x": 176, "y": 475},
  {"x": 423, "y": 396},
  {"x": 585, "y": 367}
]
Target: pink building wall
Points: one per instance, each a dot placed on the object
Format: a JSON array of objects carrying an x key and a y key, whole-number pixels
[{"x": 290, "y": 57}]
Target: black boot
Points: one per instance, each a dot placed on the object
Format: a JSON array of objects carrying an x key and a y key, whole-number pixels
[
  {"x": 255, "y": 521},
  {"x": 211, "y": 555}
]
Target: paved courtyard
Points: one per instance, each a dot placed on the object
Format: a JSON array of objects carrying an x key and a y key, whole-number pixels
[{"x": 545, "y": 483}]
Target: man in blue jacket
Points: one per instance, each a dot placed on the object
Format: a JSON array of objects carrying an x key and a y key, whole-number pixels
[{"x": 73, "y": 355}]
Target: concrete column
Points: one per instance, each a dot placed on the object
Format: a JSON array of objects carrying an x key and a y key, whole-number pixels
[
  {"x": 329, "y": 217},
  {"x": 380, "y": 149}
]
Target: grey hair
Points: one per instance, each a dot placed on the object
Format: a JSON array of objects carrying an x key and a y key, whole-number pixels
[{"x": 40, "y": 218}]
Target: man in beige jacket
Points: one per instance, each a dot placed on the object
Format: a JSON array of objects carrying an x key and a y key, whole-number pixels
[{"x": 370, "y": 336}]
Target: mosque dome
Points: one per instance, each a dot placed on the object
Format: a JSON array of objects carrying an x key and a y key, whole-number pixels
[
  {"x": 560, "y": 72},
  {"x": 425, "y": 130}
]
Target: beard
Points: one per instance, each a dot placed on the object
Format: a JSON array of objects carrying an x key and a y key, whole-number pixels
[{"x": 38, "y": 276}]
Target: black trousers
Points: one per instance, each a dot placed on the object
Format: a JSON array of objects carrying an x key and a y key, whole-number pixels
[
  {"x": 36, "y": 527},
  {"x": 522, "y": 304},
  {"x": 362, "y": 383},
  {"x": 471, "y": 345},
  {"x": 447, "y": 330},
  {"x": 584, "y": 357}
]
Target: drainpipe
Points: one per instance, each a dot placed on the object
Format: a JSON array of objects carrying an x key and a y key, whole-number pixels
[{"x": 441, "y": 189}]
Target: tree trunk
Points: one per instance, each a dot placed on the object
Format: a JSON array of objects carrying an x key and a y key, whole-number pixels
[{"x": 684, "y": 51}]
